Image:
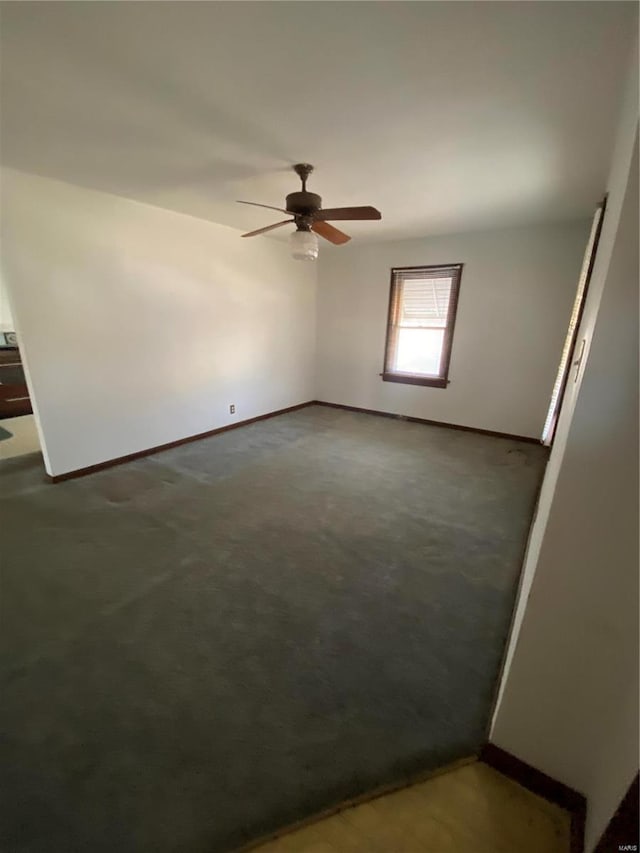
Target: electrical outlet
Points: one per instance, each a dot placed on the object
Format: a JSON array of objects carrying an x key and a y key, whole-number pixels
[{"x": 232, "y": 409}]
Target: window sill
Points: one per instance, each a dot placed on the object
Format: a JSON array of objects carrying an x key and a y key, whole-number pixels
[{"x": 415, "y": 379}]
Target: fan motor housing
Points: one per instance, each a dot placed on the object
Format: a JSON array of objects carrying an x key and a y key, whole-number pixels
[{"x": 303, "y": 203}]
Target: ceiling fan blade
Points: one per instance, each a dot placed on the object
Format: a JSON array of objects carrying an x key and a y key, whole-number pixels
[
  {"x": 330, "y": 233},
  {"x": 268, "y": 228},
  {"x": 348, "y": 213},
  {"x": 268, "y": 206}
]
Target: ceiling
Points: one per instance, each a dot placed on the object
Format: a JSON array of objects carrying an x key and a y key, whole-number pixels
[{"x": 446, "y": 116}]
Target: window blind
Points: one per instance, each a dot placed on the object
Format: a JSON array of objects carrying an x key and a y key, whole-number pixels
[{"x": 424, "y": 302}]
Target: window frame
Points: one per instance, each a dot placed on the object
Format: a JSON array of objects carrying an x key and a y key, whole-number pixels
[{"x": 442, "y": 380}]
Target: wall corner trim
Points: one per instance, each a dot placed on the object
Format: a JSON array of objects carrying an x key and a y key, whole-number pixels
[{"x": 544, "y": 786}]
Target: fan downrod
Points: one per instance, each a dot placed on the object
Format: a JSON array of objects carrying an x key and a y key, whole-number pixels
[{"x": 303, "y": 170}]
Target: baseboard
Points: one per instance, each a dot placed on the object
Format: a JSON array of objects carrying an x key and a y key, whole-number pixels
[
  {"x": 492, "y": 432},
  {"x": 130, "y": 457},
  {"x": 110, "y": 463},
  {"x": 544, "y": 786}
]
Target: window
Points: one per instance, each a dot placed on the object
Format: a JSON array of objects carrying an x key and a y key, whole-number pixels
[{"x": 422, "y": 313}]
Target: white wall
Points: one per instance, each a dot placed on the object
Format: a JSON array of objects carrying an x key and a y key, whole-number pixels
[
  {"x": 516, "y": 294},
  {"x": 139, "y": 326},
  {"x": 616, "y": 189},
  {"x": 569, "y": 698},
  {"x": 569, "y": 704}
]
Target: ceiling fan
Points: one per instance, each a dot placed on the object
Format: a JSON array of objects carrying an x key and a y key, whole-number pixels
[{"x": 310, "y": 218}]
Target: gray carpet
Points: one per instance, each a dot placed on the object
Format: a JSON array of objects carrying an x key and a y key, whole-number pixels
[{"x": 205, "y": 645}]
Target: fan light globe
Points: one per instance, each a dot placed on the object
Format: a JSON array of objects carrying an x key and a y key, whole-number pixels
[{"x": 304, "y": 245}]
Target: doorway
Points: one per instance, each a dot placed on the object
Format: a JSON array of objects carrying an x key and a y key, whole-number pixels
[
  {"x": 18, "y": 432},
  {"x": 573, "y": 349}
]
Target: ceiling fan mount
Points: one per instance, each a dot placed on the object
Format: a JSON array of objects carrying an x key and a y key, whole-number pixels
[
  {"x": 303, "y": 170},
  {"x": 307, "y": 212}
]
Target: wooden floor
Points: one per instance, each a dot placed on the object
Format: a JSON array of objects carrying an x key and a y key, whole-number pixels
[{"x": 472, "y": 809}]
